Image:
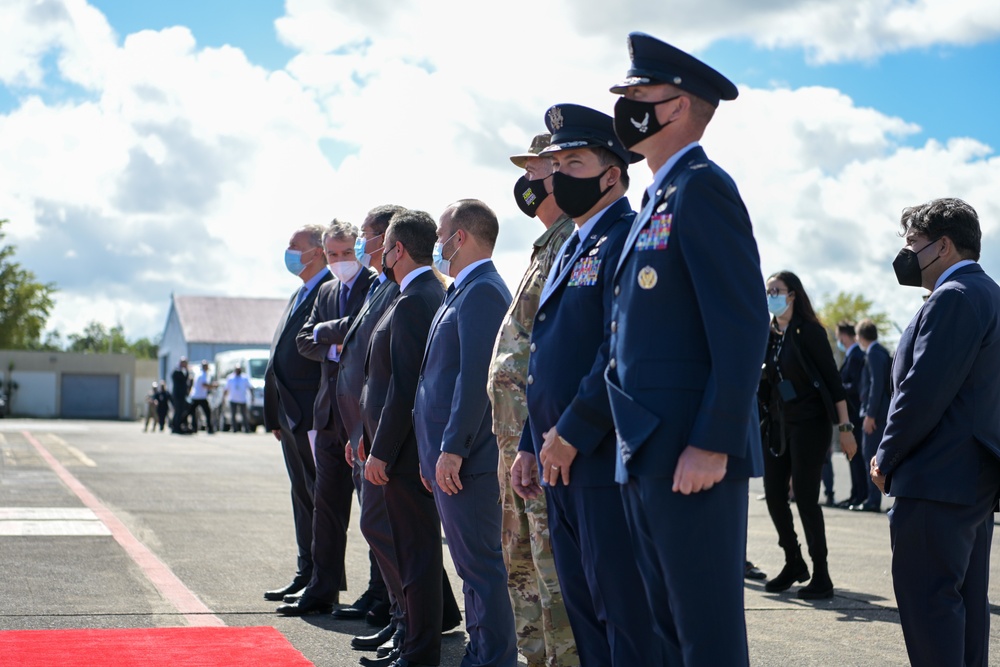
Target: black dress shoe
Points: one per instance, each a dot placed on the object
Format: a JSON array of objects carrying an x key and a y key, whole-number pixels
[
  {"x": 279, "y": 593},
  {"x": 394, "y": 642},
  {"x": 305, "y": 606},
  {"x": 751, "y": 571},
  {"x": 450, "y": 623},
  {"x": 380, "y": 662},
  {"x": 372, "y": 642},
  {"x": 378, "y": 615},
  {"x": 293, "y": 598},
  {"x": 361, "y": 606},
  {"x": 403, "y": 662}
]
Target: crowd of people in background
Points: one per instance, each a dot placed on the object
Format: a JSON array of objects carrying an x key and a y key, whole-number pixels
[{"x": 585, "y": 442}]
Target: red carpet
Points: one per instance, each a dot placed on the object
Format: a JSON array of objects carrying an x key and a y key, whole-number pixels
[{"x": 152, "y": 647}]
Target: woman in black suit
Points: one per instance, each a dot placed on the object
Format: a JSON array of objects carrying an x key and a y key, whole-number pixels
[{"x": 801, "y": 399}]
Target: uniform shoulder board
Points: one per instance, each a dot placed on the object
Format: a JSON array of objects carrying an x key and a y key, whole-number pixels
[{"x": 699, "y": 165}]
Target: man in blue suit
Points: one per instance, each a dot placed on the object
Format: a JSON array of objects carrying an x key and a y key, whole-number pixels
[
  {"x": 850, "y": 377},
  {"x": 569, "y": 431},
  {"x": 875, "y": 394},
  {"x": 688, "y": 333},
  {"x": 938, "y": 457},
  {"x": 454, "y": 426}
]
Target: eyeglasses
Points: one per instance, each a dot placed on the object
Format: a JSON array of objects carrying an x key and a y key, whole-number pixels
[{"x": 774, "y": 291}]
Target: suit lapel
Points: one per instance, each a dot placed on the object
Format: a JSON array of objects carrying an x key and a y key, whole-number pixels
[
  {"x": 450, "y": 299},
  {"x": 297, "y": 318},
  {"x": 376, "y": 296},
  {"x": 594, "y": 237},
  {"x": 662, "y": 192}
]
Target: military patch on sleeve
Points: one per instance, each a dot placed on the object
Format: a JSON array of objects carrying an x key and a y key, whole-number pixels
[
  {"x": 656, "y": 235},
  {"x": 585, "y": 272}
]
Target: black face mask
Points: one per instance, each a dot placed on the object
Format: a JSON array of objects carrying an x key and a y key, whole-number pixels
[
  {"x": 390, "y": 275},
  {"x": 636, "y": 120},
  {"x": 529, "y": 194},
  {"x": 909, "y": 273},
  {"x": 576, "y": 196}
]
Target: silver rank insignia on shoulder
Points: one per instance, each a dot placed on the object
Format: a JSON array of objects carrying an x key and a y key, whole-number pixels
[{"x": 647, "y": 277}]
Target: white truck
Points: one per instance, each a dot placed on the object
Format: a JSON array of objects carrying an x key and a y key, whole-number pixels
[{"x": 254, "y": 363}]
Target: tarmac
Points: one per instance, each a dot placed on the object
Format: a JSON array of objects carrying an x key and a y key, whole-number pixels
[{"x": 215, "y": 511}]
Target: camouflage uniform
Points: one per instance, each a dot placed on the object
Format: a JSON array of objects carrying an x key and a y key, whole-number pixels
[{"x": 544, "y": 636}]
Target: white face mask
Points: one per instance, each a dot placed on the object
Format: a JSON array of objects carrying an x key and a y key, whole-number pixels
[{"x": 344, "y": 271}]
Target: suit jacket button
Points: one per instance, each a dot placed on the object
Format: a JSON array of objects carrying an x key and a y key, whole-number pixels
[
  {"x": 614, "y": 327},
  {"x": 532, "y": 348},
  {"x": 618, "y": 290},
  {"x": 541, "y": 317},
  {"x": 531, "y": 379},
  {"x": 612, "y": 364}
]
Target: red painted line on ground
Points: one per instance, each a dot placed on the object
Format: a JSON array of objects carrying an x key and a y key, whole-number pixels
[{"x": 162, "y": 577}]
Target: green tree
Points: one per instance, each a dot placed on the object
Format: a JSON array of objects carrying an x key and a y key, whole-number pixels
[
  {"x": 25, "y": 303},
  {"x": 98, "y": 338},
  {"x": 853, "y": 308}
]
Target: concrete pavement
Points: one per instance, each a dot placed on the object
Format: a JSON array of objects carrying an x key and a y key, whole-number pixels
[{"x": 215, "y": 510}]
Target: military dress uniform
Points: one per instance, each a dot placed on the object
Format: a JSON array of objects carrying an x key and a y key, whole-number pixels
[
  {"x": 566, "y": 390},
  {"x": 688, "y": 332},
  {"x": 542, "y": 627}
]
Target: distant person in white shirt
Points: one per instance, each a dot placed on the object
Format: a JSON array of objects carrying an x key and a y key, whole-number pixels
[
  {"x": 199, "y": 398},
  {"x": 239, "y": 392}
]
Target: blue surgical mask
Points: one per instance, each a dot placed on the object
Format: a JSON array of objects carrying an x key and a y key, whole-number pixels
[
  {"x": 841, "y": 346},
  {"x": 293, "y": 262},
  {"x": 440, "y": 263},
  {"x": 360, "y": 250},
  {"x": 777, "y": 304}
]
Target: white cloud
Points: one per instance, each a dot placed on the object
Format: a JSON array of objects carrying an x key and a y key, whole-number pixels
[{"x": 190, "y": 167}]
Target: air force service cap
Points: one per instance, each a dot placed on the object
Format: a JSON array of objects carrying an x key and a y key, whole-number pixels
[
  {"x": 655, "y": 62},
  {"x": 539, "y": 143},
  {"x": 575, "y": 126}
]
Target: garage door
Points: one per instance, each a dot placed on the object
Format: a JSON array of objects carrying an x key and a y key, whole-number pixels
[{"x": 89, "y": 396}]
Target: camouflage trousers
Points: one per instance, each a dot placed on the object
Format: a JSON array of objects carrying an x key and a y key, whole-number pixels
[{"x": 544, "y": 636}]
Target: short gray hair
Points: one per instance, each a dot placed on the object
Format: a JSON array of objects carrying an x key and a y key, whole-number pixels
[
  {"x": 340, "y": 229},
  {"x": 315, "y": 233}
]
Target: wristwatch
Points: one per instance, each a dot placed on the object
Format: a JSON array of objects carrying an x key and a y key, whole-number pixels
[{"x": 846, "y": 427}]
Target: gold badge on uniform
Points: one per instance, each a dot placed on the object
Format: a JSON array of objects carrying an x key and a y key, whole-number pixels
[{"x": 647, "y": 277}]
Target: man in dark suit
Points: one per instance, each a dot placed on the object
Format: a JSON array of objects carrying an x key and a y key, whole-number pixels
[
  {"x": 353, "y": 348},
  {"x": 688, "y": 333},
  {"x": 850, "y": 377},
  {"x": 875, "y": 395},
  {"x": 337, "y": 301},
  {"x": 392, "y": 370},
  {"x": 938, "y": 457},
  {"x": 569, "y": 431},
  {"x": 454, "y": 425},
  {"x": 290, "y": 385}
]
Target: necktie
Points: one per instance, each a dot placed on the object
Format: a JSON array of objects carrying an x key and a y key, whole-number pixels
[
  {"x": 645, "y": 199},
  {"x": 570, "y": 249},
  {"x": 371, "y": 290},
  {"x": 299, "y": 298},
  {"x": 345, "y": 292}
]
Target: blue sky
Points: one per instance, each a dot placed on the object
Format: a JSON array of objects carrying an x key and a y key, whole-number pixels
[{"x": 164, "y": 164}]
